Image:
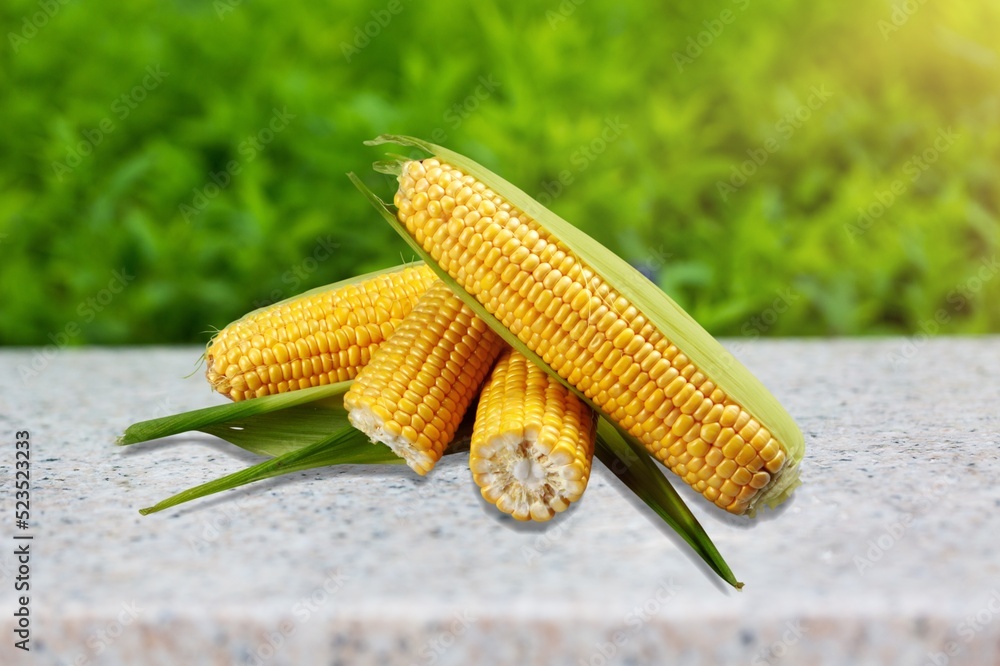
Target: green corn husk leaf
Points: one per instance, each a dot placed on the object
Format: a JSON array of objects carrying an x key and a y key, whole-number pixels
[
  {"x": 271, "y": 426},
  {"x": 647, "y": 480},
  {"x": 630, "y": 462},
  {"x": 676, "y": 324},
  {"x": 295, "y": 428},
  {"x": 345, "y": 446}
]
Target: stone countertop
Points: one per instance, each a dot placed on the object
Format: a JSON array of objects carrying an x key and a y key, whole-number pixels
[{"x": 888, "y": 554}]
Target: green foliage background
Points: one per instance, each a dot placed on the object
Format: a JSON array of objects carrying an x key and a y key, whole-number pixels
[{"x": 690, "y": 89}]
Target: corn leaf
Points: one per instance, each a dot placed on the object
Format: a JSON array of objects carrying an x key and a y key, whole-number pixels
[
  {"x": 270, "y": 426},
  {"x": 645, "y": 480},
  {"x": 345, "y": 446},
  {"x": 300, "y": 430},
  {"x": 277, "y": 433},
  {"x": 630, "y": 462},
  {"x": 676, "y": 324}
]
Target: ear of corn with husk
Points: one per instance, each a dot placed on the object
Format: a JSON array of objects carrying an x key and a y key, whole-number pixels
[{"x": 597, "y": 324}]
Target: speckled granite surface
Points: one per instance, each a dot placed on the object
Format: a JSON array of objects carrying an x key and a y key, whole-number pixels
[{"x": 889, "y": 554}]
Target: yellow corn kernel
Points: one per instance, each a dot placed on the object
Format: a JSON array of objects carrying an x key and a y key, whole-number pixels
[
  {"x": 320, "y": 337},
  {"x": 416, "y": 389},
  {"x": 532, "y": 443}
]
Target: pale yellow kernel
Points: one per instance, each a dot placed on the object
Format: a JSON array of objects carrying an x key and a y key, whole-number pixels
[
  {"x": 741, "y": 477},
  {"x": 674, "y": 388},
  {"x": 714, "y": 457},
  {"x": 698, "y": 448},
  {"x": 733, "y": 446},
  {"x": 729, "y": 415},
  {"x": 761, "y": 439},
  {"x": 682, "y": 425},
  {"x": 725, "y": 435},
  {"x": 776, "y": 463},
  {"x": 692, "y": 403},
  {"x": 746, "y": 454},
  {"x": 726, "y": 468},
  {"x": 770, "y": 450},
  {"x": 749, "y": 430},
  {"x": 729, "y": 488},
  {"x": 710, "y": 432},
  {"x": 714, "y": 414},
  {"x": 702, "y": 410}
]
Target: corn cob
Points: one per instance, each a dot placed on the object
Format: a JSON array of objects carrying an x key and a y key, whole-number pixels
[
  {"x": 419, "y": 384},
  {"x": 320, "y": 337},
  {"x": 599, "y": 341},
  {"x": 532, "y": 443}
]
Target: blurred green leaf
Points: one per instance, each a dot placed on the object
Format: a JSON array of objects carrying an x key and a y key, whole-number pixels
[{"x": 145, "y": 195}]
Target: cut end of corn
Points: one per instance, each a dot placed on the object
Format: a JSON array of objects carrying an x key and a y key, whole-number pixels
[
  {"x": 532, "y": 443},
  {"x": 575, "y": 320},
  {"x": 321, "y": 337},
  {"x": 416, "y": 389},
  {"x": 387, "y": 432}
]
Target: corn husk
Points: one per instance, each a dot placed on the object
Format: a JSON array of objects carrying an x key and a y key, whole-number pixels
[{"x": 677, "y": 325}]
